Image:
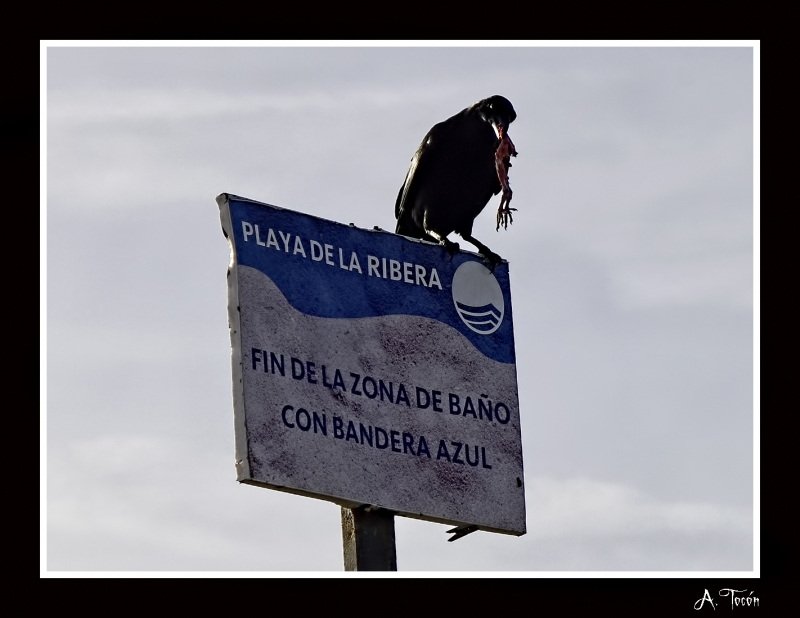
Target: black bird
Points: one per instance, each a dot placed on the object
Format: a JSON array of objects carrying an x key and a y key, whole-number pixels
[{"x": 458, "y": 167}]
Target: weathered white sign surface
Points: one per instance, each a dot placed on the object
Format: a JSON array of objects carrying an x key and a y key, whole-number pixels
[{"x": 369, "y": 368}]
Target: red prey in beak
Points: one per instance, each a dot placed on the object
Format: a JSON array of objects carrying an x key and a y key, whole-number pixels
[{"x": 502, "y": 160}]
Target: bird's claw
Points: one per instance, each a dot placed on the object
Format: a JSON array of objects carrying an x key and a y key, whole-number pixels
[
  {"x": 491, "y": 258},
  {"x": 451, "y": 247}
]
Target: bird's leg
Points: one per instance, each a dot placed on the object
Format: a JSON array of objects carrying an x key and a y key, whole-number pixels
[
  {"x": 452, "y": 247},
  {"x": 502, "y": 161},
  {"x": 490, "y": 256}
]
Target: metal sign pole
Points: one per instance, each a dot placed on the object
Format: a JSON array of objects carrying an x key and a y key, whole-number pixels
[{"x": 368, "y": 539}]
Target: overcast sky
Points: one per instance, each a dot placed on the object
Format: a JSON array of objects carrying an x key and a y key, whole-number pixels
[{"x": 631, "y": 261}]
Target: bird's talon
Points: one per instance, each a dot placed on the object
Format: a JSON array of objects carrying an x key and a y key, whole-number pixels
[
  {"x": 451, "y": 247},
  {"x": 492, "y": 259}
]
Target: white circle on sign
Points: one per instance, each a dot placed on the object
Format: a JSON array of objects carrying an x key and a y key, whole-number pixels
[{"x": 478, "y": 298}]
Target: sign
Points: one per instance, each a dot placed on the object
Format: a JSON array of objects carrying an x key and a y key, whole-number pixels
[{"x": 370, "y": 368}]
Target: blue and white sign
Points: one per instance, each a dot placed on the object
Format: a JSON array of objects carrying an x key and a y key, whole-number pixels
[{"x": 370, "y": 368}]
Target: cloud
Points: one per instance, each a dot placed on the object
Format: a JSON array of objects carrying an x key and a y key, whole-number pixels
[
  {"x": 723, "y": 279},
  {"x": 89, "y": 106},
  {"x": 150, "y": 503},
  {"x": 578, "y": 524},
  {"x": 585, "y": 508},
  {"x": 139, "y": 502}
]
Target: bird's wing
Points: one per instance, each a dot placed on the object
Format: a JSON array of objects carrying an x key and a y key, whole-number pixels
[
  {"x": 401, "y": 196},
  {"x": 423, "y": 153}
]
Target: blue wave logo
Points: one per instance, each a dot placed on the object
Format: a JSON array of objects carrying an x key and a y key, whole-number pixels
[
  {"x": 478, "y": 298},
  {"x": 484, "y": 319}
]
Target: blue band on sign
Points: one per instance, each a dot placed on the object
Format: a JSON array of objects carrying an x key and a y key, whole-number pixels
[{"x": 331, "y": 270}]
